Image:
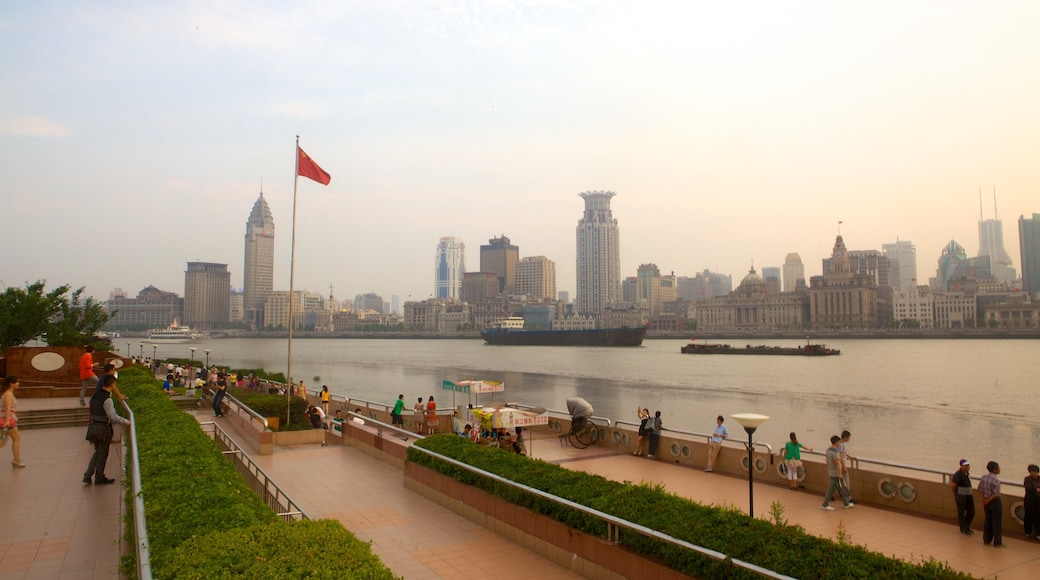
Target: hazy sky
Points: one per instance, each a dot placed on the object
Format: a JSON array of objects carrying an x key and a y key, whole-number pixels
[{"x": 135, "y": 135}]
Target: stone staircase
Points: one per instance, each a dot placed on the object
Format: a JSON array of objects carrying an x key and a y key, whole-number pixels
[{"x": 44, "y": 418}]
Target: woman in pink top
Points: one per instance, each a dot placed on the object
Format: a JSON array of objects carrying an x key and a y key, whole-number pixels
[{"x": 10, "y": 420}]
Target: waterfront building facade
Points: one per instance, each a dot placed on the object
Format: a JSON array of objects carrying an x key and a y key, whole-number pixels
[
  {"x": 536, "y": 278},
  {"x": 841, "y": 298},
  {"x": 902, "y": 257},
  {"x": 207, "y": 295},
  {"x": 449, "y": 268},
  {"x": 152, "y": 308},
  {"x": 751, "y": 307},
  {"x": 237, "y": 306},
  {"x": 955, "y": 310},
  {"x": 258, "y": 270},
  {"x": 794, "y": 273},
  {"x": 283, "y": 306},
  {"x": 598, "y": 255},
  {"x": 1029, "y": 248},
  {"x": 1019, "y": 311},
  {"x": 914, "y": 305},
  {"x": 500, "y": 257}
]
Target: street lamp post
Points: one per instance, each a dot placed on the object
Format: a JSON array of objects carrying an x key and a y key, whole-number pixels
[
  {"x": 128, "y": 350},
  {"x": 207, "y": 351},
  {"x": 750, "y": 422},
  {"x": 191, "y": 374},
  {"x": 142, "y": 351},
  {"x": 153, "y": 353}
]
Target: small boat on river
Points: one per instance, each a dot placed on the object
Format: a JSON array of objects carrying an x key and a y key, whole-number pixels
[{"x": 808, "y": 350}]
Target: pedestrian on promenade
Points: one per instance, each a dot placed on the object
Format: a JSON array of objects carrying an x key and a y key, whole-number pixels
[
  {"x": 644, "y": 416},
  {"x": 218, "y": 397},
  {"x": 419, "y": 416},
  {"x": 715, "y": 443},
  {"x": 325, "y": 396},
  {"x": 86, "y": 374},
  {"x": 301, "y": 390},
  {"x": 653, "y": 431},
  {"x": 102, "y": 409},
  {"x": 989, "y": 489},
  {"x": 110, "y": 369},
  {"x": 395, "y": 414},
  {"x": 846, "y": 462},
  {"x": 1032, "y": 502},
  {"x": 431, "y": 416},
  {"x": 793, "y": 459},
  {"x": 8, "y": 407},
  {"x": 835, "y": 471},
  {"x": 962, "y": 494}
]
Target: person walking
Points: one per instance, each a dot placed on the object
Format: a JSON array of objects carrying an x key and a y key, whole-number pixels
[
  {"x": 418, "y": 414},
  {"x": 431, "y": 416},
  {"x": 395, "y": 413},
  {"x": 9, "y": 429},
  {"x": 644, "y": 417},
  {"x": 960, "y": 483},
  {"x": 102, "y": 409},
  {"x": 86, "y": 374},
  {"x": 793, "y": 459},
  {"x": 989, "y": 489},
  {"x": 715, "y": 443},
  {"x": 1032, "y": 502},
  {"x": 218, "y": 397},
  {"x": 653, "y": 432},
  {"x": 846, "y": 463},
  {"x": 325, "y": 396},
  {"x": 835, "y": 471}
]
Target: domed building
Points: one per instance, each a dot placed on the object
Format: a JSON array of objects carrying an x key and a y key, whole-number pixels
[{"x": 751, "y": 307}]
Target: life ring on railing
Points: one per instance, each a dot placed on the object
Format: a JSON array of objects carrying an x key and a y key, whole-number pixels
[
  {"x": 906, "y": 491},
  {"x": 886, "y": 488},
  {"x": 1018, "y": 511}
]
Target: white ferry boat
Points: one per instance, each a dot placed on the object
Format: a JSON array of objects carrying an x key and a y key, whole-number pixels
[{"x": 173, "y": 334}]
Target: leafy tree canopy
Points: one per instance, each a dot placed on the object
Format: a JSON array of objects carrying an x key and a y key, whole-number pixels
[{"x": 30, "y": 313}]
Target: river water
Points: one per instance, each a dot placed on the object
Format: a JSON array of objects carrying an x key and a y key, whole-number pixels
[{"x": 923, "y": 402}]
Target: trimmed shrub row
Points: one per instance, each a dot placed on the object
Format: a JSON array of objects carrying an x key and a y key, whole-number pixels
[
  {"x": 204, "y": 522},
  {"x": 783, "y": 548}
]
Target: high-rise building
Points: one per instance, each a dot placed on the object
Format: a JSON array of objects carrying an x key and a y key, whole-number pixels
[
  {"x": 952, "y": 254},
  {"x": 370, "y": 301},
  {"x": 653, "y": 290},
  {"x": 771, "y": 276},
  {"x": 258, "y": 272},
  {"x": 500, "y": 257},
  {"x": 449, "y": 267},
  {"x": 842, "y": 298},
  {"x": 207, "y": 295},
  {"x": 1029, "y": 246},
  {"x": 599, "y": 255},
  {"x": 991, "y": 243},
  {"x": 536, "y": 277},
  {"x": 794, "y": 273},
  {"x": 902, "y": 257}
]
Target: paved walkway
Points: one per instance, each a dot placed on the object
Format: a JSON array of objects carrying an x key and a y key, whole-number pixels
[{"x": 55, "y": 527}]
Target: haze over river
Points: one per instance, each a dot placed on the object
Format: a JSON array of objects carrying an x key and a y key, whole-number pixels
[{"x": 923, "y": 402}]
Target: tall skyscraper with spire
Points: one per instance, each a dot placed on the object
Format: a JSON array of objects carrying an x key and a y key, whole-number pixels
[
  {"x": 599, "y": 255},
  {"x": 258, "y": 272},
  {"x": 991, "y": 243},
  {"x": 449, "y": 268}
]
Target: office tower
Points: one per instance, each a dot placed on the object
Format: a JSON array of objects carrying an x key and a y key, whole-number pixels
[
  {"x": 794, "y": 273},
  {"x": 902, "y": 256},
  {"x": 991, "y": 243},
  {"x": 1029, "y": 246},
  {"x": 237, "y": 300},
  {"x": 449, "y": 267},
  {"x": 153, "y": 308},
  {"x": 479, "y": 287},
  {"x": 370, "y": 301},
  {"x": 952, "y": 254},
  {"x": 207, "y": 295},
  {"x": 564, "y": 297},
  {"x": 395, "y": 304},
  {"x": 499, "y": 257},
  {"x": 653, "y": 290},
  {"x": 771, "y": 276},
  {"x": 599, "y": 255},
  {"x": 258, "y": 271},
  {"x": 536, "y": 277}
]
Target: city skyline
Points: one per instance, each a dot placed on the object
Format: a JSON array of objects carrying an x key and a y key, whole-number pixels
[{"x": 732, "y": 135}]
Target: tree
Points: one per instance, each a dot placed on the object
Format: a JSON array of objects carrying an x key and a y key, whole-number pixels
[
  {"x": 77, "y": 323},
  {"x": 25, "y": 313}
]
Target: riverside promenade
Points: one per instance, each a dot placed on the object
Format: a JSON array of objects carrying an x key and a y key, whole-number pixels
[{"x": 56, "y": 527}]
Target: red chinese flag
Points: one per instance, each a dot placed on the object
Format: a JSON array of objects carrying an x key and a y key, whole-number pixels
[{"x": 306, "y": 167}]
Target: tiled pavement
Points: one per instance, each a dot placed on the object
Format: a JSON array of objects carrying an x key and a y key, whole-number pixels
[{"x": 55, "y": 527}]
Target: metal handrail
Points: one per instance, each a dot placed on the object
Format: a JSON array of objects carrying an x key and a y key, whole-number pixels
[
  {"x": 243, "y": 407},
  {"x": 612, "y": 521},
  {"x": 446, "y": 411},
  {"x": 144, "y": 562},
  {"x": 945, "y": 474},
  {"x": 379, "y": 425},
  {"x": 293, "y": 508},
  {"x": 708, "y": 436},
  {"x": 567, "y": 415}
]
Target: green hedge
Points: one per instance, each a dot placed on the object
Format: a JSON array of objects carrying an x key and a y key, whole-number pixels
[
  {"x": 268, "y": 405},
  {"x": 782, "y": 548},
  {"x": 204, "y": 522}
]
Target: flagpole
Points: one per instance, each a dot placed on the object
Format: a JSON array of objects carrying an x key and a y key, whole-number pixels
[{"x": 292, "y": 274}]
